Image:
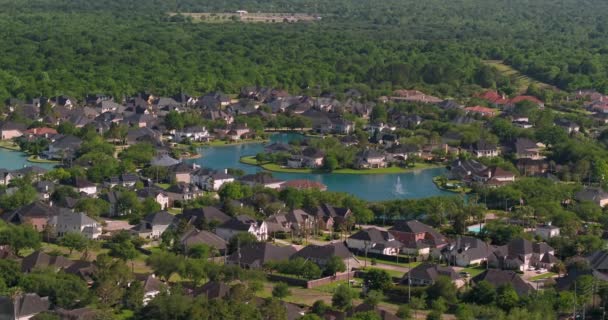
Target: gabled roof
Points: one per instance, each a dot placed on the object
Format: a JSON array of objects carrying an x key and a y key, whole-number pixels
[
  {"x": 213, "y": 290},
  {"x": 503, "y": 277},
  {"x": 205, "y": 213},
  {"x": 33, "y": 210},
  {"x": 23, "y": 306},
  {"x": 261, "y": 253},
  {"x": 376, "y": 235},
  {"x": 431, "y": 272},
  {"x": 194, "y": 237},
  {"x": 324, "y": 252},
  {"x": 39, "y": 259},
  {"x": 163, "y": 218}
]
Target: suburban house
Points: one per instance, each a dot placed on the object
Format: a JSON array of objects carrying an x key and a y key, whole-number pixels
[
  {"x": 498, "y": 177},
  {"x": 263, "y": 179},
  {"x": 425, "y": 274},
  {"x": 546, "y": 231},
  {"x": 39, "y": 259},
  {"x": 213, "y": 290},
  {"x": 211, "y": 180},
  {"x": 152, "y": 287},
  {"x": 154, "y": 225},
  {"x": 207, "y": 217},
  {"x": 312, "y": 158},
  {"x": 499, "y": 278},
  {"x": 242, "y": 223},
  {"x": 160, "y": 196},
  {"x": 595, "y": 195},
  {"x": 370, "y": 158},
  {"x": 417, "y": 237},
  {"x": 183, "y": 192},
  {"x": 569, "y": 126},
  {"x": 297, "y": 221},
  {"x": 375, "y": 241},
  {"x": 256, "y": 255},
  {"x": 467, "y": 251},
  {"x": 196, "y": 134},
  {"x": 531, "y": 167},
  {"x": 303, "y": 184},
  {"x": 5, "y": 177},
  {"x": 64, "y": 147},
  {"x": 76, "y": 222},
  {"x": 329, "y": 217},
  {"x": 37, "y": 214},
  {"x": 483, "y": 148},
  {"x": 321, "y": 254},
  {"x": 11, "y": 130},
  {"x": 195, "y": 237},
  {"x": 83, "y": 186},
  {"x": 23, "y": 306},
  {"x": 528, "y": 149},
  {"x": 522, "y": 254},
  {"x": 482, "y": 111}
]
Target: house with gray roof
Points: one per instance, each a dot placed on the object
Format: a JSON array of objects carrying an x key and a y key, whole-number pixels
[
  {"x": 23, "y": 306},
  {"x": 154, "y": 225},
  {"x": 241, "y": 224},
  {"x": 321, "y": 254},
  {"x": 39, "y": 259},
  {"x": 499, "y": 278},
  {"x": 76, "y": 222},
  {"x": 255, "y": 255},
  {"x": 465, "y": 251},
  {"x": 426, "y": 274},
  {"x": 196, "y": 237},
  {"x": 374, "y": 240}
]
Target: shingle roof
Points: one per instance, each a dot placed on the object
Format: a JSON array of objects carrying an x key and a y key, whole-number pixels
[
  {"x": 160, "y": 218},
  {"x": 258, "y": 254},
  {"x": 430, "y": 272},
  {"x": 325, "y": 252},
  {"x": 503, "y": 277},
  {"x": 213, "y": 290},
  {"x": 39, "y": 259}
]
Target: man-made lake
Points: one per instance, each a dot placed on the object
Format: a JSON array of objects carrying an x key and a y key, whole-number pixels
[
  {"x": 372, "y": 187},
  {"x": 13, "y": 160}
]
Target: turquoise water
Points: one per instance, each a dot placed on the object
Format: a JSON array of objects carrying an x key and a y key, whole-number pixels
[
  {"x": 476, "y": 228},
  {"x": 13, "y": 160},
  {"x": 374, "y": 187}
]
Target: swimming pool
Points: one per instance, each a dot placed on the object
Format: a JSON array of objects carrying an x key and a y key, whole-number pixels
[{"x": 476, "y": 228}]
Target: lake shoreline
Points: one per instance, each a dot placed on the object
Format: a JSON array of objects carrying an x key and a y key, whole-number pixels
[{"x": 250, "y": 160}]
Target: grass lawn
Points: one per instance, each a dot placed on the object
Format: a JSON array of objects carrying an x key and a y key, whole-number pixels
[
  {"x": 523, "y": 81},
  {"x": 36, "y": 159},
  {"x": 543, "y": 276},
  {"x": 413, "y": 264},
  {"x": 331, "y": 287},
  {"x": 174, "y": 210},
  {"x": 163, "y": 186},
  {"x": 9, "y": 145},
  {"x": 250, "y": 160},
  {"x": 460, "y": 189},
  {"x": 473, "y": 271}
]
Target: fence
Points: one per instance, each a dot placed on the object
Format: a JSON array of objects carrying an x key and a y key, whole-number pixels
[{"x": 309, "y": 284}]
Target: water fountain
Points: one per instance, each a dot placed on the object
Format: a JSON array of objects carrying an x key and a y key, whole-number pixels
[{"x": 399, "y": 187}]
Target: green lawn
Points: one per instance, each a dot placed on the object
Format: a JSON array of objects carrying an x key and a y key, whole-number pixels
[
  {"x": 522, "y": 80},
  {"x": 10, "y": 145},
  {"x": 163, "y": 186},
  {"x": 473, "y": 271},
  {"x": 331, "y": 287},
  {"x": 413, "y": 264},
  {"x": 250, "y": 160},
  {"x": 543, "y": 276},
  {"x": 36, "y": 159}
]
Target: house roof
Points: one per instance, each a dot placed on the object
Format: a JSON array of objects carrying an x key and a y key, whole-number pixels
[
  {"x": 261, "y": 253},
  {"x": 591, "y": 194},
  {"x": 39, "y": 259},
  {"x": 77, "y": 219},
  {"x": 377, "y": 236},
  {"x": 328, "y": 210},
  {"x": 304, "y": 184},
  {"x": 473, "y": 247},
  {"x": 324, "y": 252},
  {"x": 164, "y": 161},
  {"x": 431, "y": 272},
  {"x": 163, "y": 218},
  {"x": 205, "y": 213},
  {"x": 213, "y": 290},
  {"x": 23, "y": 306},
  {"x": 194, "y": 237},
  {"x": 503, "y": 277}
]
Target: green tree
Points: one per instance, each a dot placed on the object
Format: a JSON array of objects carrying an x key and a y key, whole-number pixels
[
  {"x": 334, "y": 265},
  {"x": 377, "y": 279},
  {"x": 165, "y": 264},
  {"x": 442, "y": 288},
  {"x": 342, "y": 298},
  {"x": 506, "y": 297},
  {"x": 240, "y": 240},
  {"x": 74, "y": 241},
  {"x": 20, "y": 237},
  {"x": 281, "y": 291}
]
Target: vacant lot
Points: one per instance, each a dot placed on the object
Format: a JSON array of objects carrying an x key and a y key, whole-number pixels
[
  {"x": 521, "y": 80},
  {"x": 258, "y": 17}
]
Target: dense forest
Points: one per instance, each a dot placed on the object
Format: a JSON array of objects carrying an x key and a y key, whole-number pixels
[{"x": 121, "y": 47}]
